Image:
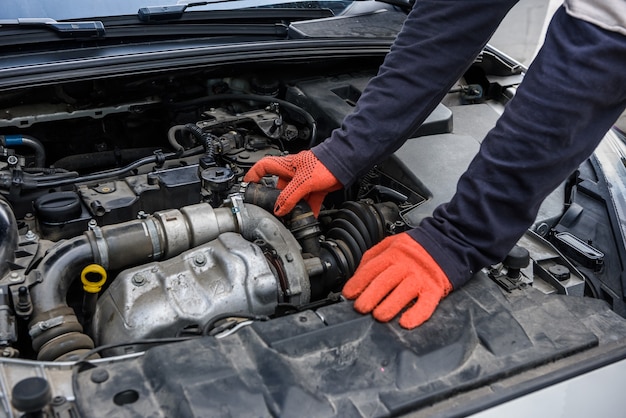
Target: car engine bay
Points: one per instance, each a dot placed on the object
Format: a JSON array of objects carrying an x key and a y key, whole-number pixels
[
  {"x": 126, "y": 224},
  {"x": 166, "y": 232}
]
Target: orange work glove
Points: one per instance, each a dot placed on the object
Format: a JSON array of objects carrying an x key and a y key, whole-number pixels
[
  {"x": 301, "y": 176},
  {"x": 394, "y": 273}
]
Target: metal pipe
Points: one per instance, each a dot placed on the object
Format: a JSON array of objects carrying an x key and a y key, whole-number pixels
[
  {"x": 8, "y": 237},
  {"x": 27, "y": 141},
  {"x": 163, "y": 235},
  {"x": 301, "y": 221}
]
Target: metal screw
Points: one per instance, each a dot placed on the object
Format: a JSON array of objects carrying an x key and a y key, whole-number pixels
[
  {"x": 139, "y": 279},
  {"x": 12, "y": 160},
  {"x": 199, "y": 259},
  {"x": 30, "y": 236},
  {"x": 92, "y": 224},
  {"x": 14, "y": 277}
]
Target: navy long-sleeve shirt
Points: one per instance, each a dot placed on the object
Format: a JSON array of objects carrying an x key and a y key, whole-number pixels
[{"x": 574, "y": 90}]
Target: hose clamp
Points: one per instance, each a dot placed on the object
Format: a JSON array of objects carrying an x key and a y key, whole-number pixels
[
  {"x": 153, "y": 232},
  {"x": 102, "y": 255},
  {"x": 238, "y": 208},
  {"x": 43, "y": 326}
]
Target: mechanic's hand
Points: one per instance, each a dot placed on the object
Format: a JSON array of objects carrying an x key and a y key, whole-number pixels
[
  {"x": 394, "y": 273},
  {"x": 301, "y": 176}
]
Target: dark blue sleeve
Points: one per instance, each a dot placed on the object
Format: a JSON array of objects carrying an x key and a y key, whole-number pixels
[
  {"x": 573, "y": 92},
  {"x": 438, "y": 42}
]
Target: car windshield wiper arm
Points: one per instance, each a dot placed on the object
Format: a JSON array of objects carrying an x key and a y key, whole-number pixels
[
  {"x": 174, "y": 11},
  {"x": 86, "y": 29}
]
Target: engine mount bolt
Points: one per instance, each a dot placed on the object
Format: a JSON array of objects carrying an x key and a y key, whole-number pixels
[
  {"x": 199, "y": 259},
  {"x": 30, "y": 236}
]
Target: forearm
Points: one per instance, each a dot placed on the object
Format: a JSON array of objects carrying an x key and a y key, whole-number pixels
[{"x": 438, "y": 42}]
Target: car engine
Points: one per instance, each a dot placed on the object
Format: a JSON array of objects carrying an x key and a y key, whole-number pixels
[{"x": 127, "y": 219}]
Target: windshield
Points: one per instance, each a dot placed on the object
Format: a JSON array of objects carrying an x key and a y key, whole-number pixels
[{"x": 80, "y": 9}]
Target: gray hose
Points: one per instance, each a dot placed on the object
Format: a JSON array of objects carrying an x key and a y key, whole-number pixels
[
  {"x": 54, "y": 328},
  {"x": 59, "y": 268},
  {"x": 37, "y": 147},
  {"x": 8, "y": 237},
  {"x": 171, "y": 137},
  {"x": 27, "y": 141}
]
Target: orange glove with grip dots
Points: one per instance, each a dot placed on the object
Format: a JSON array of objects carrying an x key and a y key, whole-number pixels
[
  {"x": 392, "y": 275},
  {"x": 301, "y": 176}
]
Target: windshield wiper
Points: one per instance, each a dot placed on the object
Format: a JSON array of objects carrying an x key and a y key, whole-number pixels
[
  {"x": 174, "y": 11},
  {"x": 87, "y": 29}
]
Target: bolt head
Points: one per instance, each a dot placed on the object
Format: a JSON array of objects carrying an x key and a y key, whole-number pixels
[
  {"x": 199, "y": 259},
  {"x": 139, "y": 279}
]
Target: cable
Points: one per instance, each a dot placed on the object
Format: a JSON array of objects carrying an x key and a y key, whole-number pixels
[
  {"x": 146, "y": 341},
  {"x": 211, "y": 329},
  {"x": 108, "y": 173},
  {"x": 234, "y": 329}
]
